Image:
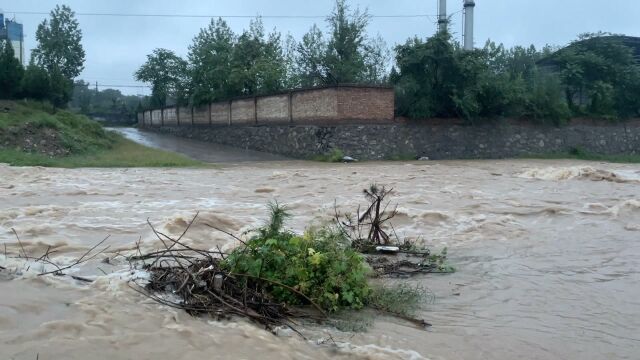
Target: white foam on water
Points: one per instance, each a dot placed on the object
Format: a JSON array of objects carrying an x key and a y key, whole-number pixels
[{"x": 580, "y": 172}]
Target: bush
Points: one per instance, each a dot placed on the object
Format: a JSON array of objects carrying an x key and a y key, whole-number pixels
[
  {"x": 335, "y": 155},
  {"x": 11, "y": 71},
  {"x": 545, "y": 102},
  {"x": 35, "y": 83},
  {"x": 319, "y": 264},
  {"x": 399, "y": 299}
]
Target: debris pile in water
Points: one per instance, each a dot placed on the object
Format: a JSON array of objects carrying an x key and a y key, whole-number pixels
[
  {"x": 276, "y": 275},
  {"x": 386, "y": 253}
]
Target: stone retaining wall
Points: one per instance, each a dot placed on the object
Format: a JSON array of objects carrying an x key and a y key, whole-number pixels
[{"x": 441, "y": 141}]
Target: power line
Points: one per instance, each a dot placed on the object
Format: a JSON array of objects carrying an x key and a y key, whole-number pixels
[
  {"x": 124, "y": 86},
  {"x": 217, "y": 16},
  {"x": 113, "y": 85}
]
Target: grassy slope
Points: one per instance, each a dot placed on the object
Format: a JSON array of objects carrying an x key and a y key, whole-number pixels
[{"x": 87, "y": 143}]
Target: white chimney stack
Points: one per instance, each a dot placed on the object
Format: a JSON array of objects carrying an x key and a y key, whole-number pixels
[
  {"x": 442, "y": 15},
  {"x": 468, "y": 24}
]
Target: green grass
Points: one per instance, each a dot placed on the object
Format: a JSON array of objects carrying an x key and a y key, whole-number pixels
[
  {"x": 123, "y": 153},
  {"x": 88, "y": 144},
  {"x": 334, "y": 155},
  {"x": 580, "y": 154},
  {"x": 403, "y": 157}
]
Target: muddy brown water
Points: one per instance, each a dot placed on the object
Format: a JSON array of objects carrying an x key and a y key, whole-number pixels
[{"x": 547, "y": 253}]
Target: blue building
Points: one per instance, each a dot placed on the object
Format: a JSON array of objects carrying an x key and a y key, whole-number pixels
[{"x": 12, "y": 31}]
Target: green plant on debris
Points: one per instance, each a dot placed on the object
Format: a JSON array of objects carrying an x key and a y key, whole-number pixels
[
  {"x": 320, "y": 264},
  {"x": 276, "y": 270},
  {"x": 401, "y": 299},
  {"x": 327, "y": 266}
]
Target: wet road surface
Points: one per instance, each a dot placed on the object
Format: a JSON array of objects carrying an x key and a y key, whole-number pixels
[{"x": 195, "y": 149}]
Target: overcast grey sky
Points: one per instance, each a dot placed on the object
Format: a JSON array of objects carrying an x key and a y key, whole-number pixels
[{"x": 117, "y": 46}]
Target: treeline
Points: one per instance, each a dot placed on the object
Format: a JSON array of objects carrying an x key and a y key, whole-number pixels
[
  {"x": 596, "y": 76},
  {"x": 222, "y": 64},
  {"x": 55, "y": 62},
  {"x": 109, "y": 104}
]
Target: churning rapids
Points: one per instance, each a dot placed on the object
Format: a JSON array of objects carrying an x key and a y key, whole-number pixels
[{"x": 547, "y": 256}]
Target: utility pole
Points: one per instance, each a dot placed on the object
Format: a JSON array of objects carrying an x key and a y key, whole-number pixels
[
  {"x": 443, "y": 22},
  {"x": 97, "y": 87}
]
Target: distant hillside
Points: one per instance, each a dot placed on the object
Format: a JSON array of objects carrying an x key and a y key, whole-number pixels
[{"x": 629, "y": 41}]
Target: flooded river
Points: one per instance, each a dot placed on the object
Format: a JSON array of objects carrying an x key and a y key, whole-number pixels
[{"x": 547, "y": 253}]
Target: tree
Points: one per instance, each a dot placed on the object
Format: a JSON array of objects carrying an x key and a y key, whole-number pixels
[
  {"x": 59, "y": 44},
  {"x": 35, "y": 83},
  {"x": 210, "y": 58},
  {"x": 545, "y": 102},
  {"x": 376, "y": 61},
  {"x": 345, "y": 61},
  {"x": 601, "y": 76},
  {"x": 348, "y": 55},
  {"x": 271, "y": 66},
  {"x": 437, "y": 78},
  {"x": 82, "y": 97},
  {"x": 432, "y": 79},
  {"x": 167, "y": 74},
  {"x": 60, "y": 88},
  {"x": 258, "y": 63},
  {"x": 11, "y": 72},
  {"x": 309, "y": 62}
]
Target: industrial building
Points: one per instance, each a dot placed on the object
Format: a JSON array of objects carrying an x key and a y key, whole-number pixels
[{"x": 12, "y": 31}]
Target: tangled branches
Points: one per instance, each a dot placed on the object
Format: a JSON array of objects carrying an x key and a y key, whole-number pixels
[
  {"x": 371, "y": 221},
  {"x": 386, "y": 254},
  {"x": 201, "y": 283},
  {"x": 45, "y": 261}
]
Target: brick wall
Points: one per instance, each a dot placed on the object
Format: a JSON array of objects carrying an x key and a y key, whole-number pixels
[
  {"x": 317, "y": 105},
  {"x": 184, "y": 116},
  {"x": 330, "y": 105},
  {"x": 371, "y": 104},
  {"x": 273, "y": 109},
  {"x": 220, "y": 113},
  {"x": 201, "y": 115},
  {"x": 243, "y": 111},
  {"x": 156, "y": 117},
  {"x": 170, "y": 117}
]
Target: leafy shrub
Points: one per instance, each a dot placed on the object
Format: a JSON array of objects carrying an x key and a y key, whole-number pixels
[
  {"x": 400, "y": 299},
  {"x": 546, "y": 103},
  {"x": 319, "y": 264},
  {"x": 335, "y": 155}
]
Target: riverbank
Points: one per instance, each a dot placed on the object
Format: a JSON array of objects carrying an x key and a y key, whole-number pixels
[
  {"x": 35, "y": 134},
  {"x": 546, "y": 254}
]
